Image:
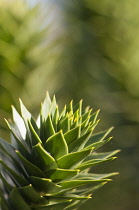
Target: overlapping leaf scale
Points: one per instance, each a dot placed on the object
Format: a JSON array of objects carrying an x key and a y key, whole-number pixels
[
  {"x": 57, "y": 175},
  {"x": 42, "y": 158},
  {"x": 49, "y": 159},
  {"x": 97, "y": 158}
]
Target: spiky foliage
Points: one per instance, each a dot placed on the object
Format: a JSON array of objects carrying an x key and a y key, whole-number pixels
[{"x": 46, "y": 166}]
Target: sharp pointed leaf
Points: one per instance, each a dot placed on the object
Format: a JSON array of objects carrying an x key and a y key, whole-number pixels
[
  {"x": 91, "y": 176},
  {"x": 55, "y": 118},
  {"x": 72, "y": 159},
  {"x": 32, "y": 196},
  {"x": 44, "y": 160},
  {"x": 91, "y": 126},
  {"x": 34, "y": 136},
  {"x": 98, "y": 144},
  {"x": 94, "y": 116},
  {"x": 18, "y": 142},
  {"x": 7, "y": 148},
  {"x": 57, "y": 145},
  {"x": 78, "y": 106},
  {"x": 31, "y": 169},
  {"x": 18, "y": 179},
  {"x": 98, "y": 137},
  {"x": 58, "y": 174},
  {"x": 62, "y": 115},
  {"x": 25, "y": 113},
  {"x": 46, "y": 107},
  {"x": 101, "y": 156},
  {"x": 90, "y": 163},
  {"x": 49, "y": 128},
  {"x": 78, "y": 183},
  {"x": 54, "y": 205},
  {"x": 70, "y": 108},
  {"x": 73, "y": 134},
  {"x": 53, "y": 106},
  {"x": 19, "y": 122},
  {"x": 86, "y": 116},
  {"x": 17, "y": 201},
  {"x": 44, "y": 186},
  {"x": 74, "y": 197},
  {"x": 86, "y": 109},
  {"x": 64, "y": 125},
  {"x": 87, "y": 190},
  {"x": 79, "y": 143},
  {"x": 6, "y": 184}
]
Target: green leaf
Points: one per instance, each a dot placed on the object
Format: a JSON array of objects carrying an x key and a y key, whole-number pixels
[
  {"x": 32, "y": 196},
  {"x": 3, "y": 201},
  {"x": 73, "y": 134},
  {"x": 18, "y": 120},
  {"x": 49, "y": 128},
  {"x": 44, "y": 160},
  {"x": 71, "y": 160},
  {"x": 90, "y": 163},
  {"x": 75, "y": 204},
  {"x": 53, "y": 106},
  {"x": 44, "y": 186},
  {"x": 7, "y": 148},
  {"x": 55, "y": 118},
  {"x": 101, "y": 156},
  {"x": 56, "y": 145},
  {"x": 62, "y": 115},
  {"x": 17, "y": 201},
  {"x": 8, "y": 154},
  {"x": 45, "y": 107},
  {"x": 42, "y": 129},
  {"x": 25, "y": 113},
  {"x": 17, "y": 143},
  {"x": 6, "y": 184},
  {"x": 34, "y": 136},
  {"x": 79, "y": 143},
  {"x": 92, "y": 176},
  {"x": 76, "y": 119},
  {"x": 54, "y": 204},
  {"x": 19, "y": 180},
  {"x": 78, "y": 183},
  {"x": 90, "y": 127},
  {"x": 84, "y": 125},
  {"x": 73, "y": 197},
  {"x": 98, "y": 144},
  {"x": 86, "y": 116},
  {"x": 70, "y": 108},
  {"x": 94, "y": 116},
  {"x": 3, "y": 205},
  {"x": 98, "y": 137},
  {"x": 31, "y": 169},
  {"x": 55, "y": 201},
  {"x": 78, "y": 106},
  {"x": 64, "y": 125},
  {"x": 85, "y": 191},
  {"x": 86, "y": 109},
  {"x": 57, "y": 175}
]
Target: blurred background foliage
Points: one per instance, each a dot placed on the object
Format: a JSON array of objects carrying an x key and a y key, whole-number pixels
[
  {"x": 78, "y": 49},
  {"x": 28, "y": 54}
]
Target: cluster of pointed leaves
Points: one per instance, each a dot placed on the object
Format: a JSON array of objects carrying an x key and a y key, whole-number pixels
[{"x": 46, "y": 166}]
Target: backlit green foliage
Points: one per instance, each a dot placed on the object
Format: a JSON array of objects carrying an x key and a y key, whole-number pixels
[{"x": 47, "y": 164}]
